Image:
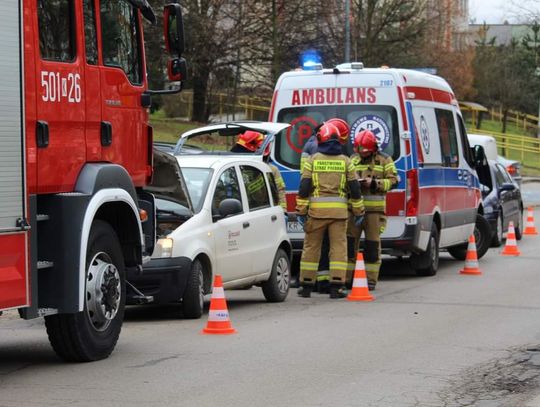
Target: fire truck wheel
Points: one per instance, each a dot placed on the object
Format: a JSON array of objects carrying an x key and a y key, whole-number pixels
[
  {"x": 276, "y": 288},
  {"x": 92, "y": 334},
  {"x": 193, "y": 300},
  {"x": 427, "y": 263}
]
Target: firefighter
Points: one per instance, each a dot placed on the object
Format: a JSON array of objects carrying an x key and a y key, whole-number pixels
[
  {"x": 377, "y": 174},
  {"x": 327, "y": 178},
  {"x": 248, "y": 142}
]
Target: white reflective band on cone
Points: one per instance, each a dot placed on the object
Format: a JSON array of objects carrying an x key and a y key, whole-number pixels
[
  {"x": 360, "y": 282},
  {"x": 218, "y": 292},
  {"x": 360, "y": 265},
  {"x": 218, "y": 315}
]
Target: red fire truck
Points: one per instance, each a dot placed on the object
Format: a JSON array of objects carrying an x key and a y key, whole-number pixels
[{"x": 75, "y": 154}]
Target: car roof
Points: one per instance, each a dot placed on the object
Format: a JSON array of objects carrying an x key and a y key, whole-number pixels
[{"x": 217, "y": 161}]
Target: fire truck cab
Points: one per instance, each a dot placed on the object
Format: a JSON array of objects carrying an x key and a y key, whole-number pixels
[
  {"x": 416, "y": 119},
  {"x": 75, "y": 154}
]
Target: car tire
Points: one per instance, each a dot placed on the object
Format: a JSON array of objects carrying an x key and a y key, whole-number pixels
[
  {"x": 193, "y": 299},
  {"x": 92, "y": 334},
  {"x": 276, "y": 288},
  {"x": 519, "y": 226},
  {"x": 498, "y": 235},
  {"x": 482, "y": 236},
  {"x": 427, "y": 263}
]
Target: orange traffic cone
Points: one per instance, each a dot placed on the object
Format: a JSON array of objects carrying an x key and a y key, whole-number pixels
[
  {"x": 360, "y": 290},
  {"x": 530, "y": 229},
  {"x": 471, "y": 259},
  {"x": 511, "y": 248},
  {"x": 218, "y": 315}
]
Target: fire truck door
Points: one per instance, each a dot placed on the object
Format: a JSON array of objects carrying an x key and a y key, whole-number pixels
[
  {"x": 122, "y": 79},
  {"x": 13, "y": 237},
  {"x": 60, "y": 105}
]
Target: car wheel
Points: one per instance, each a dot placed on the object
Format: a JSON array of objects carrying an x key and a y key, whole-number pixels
[
  {"x": 92, "y": 333},
  {"x": 519, "y": 226},
  {"x": 498, "y": 236},
  {"x": 276, "y": 288},
  {"x": 482, "y": 237},
  {"x": 427, "y": 263},
  {"x": 193, "y": 300}
]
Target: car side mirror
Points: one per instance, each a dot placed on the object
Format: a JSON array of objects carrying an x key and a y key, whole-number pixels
[
  {"x": 228, "y": 207},
  {"x": 508, "y": 186},
  {"x": 480, "y": 158}
]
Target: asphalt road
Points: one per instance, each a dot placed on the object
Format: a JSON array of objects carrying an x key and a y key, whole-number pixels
[{"x": 448, "y": 340}]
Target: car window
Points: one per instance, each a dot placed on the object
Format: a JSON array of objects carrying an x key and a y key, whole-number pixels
[
  {"x": 507, "y": 177},
  {"x": 227, "y": 187},
  {"x": 499, "y": 176},
  {"x": 197, "y": 180},
  {"x": 447, "y": 135},
  {"x": 255, "y": 183},
  {"x": 273, "y": 188}
]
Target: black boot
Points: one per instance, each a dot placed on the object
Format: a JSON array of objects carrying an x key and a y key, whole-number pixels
[
  {"x": 371, "y": 285},
  {"x": 323, "y": 287},
  {"x": 305, "y": 291},
  {"x": 338, "y": 291}
]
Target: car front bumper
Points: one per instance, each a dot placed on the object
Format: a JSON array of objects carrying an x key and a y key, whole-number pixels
[{"x": 165, "y": 279}]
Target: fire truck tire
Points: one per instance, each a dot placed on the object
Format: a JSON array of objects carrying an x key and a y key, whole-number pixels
[
  {"x": 92, "y": 334},
  {"x": 276, "y": 288},
  {"x": 427, "y": 263}
]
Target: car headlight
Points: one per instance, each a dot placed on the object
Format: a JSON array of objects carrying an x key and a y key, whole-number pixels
[
  {"x": 166, "y": 246},
  {"x": 488, "y": 209}
]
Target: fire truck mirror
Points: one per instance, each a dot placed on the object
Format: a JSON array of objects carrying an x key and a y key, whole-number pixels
[
  {"x": 177, "y": 69},
  {"x": 173, "y": 29}
]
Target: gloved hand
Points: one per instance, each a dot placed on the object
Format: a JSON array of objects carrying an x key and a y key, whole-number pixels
[
  {"x": 301, "y": 219},
  {"x": 358, "y": 220},
  {"x": 373, "y": 186}
]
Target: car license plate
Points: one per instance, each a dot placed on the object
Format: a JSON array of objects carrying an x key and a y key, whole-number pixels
[{"x": 294, "y": 227}]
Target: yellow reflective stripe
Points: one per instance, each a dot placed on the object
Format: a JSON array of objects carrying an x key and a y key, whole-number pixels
[
  {"x": 328, "y": 205},
  {"x": 362, "y": 167},
  {"x": 342, "y": 186},
  {"x": 378, "y": 168},
  {"x": 324, "y": 277},
  {"x": 256, "y": 185},
  {"x": 315, "y": 181},
  {"x": 329, "y": 166},
  {"x": 280, "y": 183},
  {"x": 283, "y": 205},
  {"x": 302, "y": 201},
  {"x": 307, "y": 165},
  {"x": 373, "y": 267},
  {"x": 335, "y": 265},
  {"x": 356, "y": 203},
  {"x": 351, "y": 266},
  {"x": 307, "y": 265},
  {"x": 351, "y": 167},
  {"x": 373, "y": 204}
]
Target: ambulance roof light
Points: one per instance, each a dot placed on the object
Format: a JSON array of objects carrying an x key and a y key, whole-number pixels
[
  {"x": 312, "y": 66},
  {"x": 351, "y": 65},
  {"x": 357, "y": 65}
]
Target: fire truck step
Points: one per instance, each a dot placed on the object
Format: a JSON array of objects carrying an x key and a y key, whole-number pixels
[
  {"x": 138, "y": 297},
  {"x": 42, "y": 217},
  {"x": 44, "y": 264}
]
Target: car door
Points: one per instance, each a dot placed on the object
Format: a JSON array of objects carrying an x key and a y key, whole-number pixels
[
  {"x": 506, "y": 198},
  {"x": 233, "y": 260},
  {"x": 265, "y": 220}
]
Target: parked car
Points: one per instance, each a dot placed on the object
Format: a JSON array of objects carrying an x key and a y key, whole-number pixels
[
  {"x": 235, "y": 228},
  {"x": 490, "y": 148},
  {"x": 502, "y": 202}
]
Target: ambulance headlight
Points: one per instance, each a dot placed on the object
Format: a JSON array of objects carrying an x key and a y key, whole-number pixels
[{"x": 165, "y": 247}]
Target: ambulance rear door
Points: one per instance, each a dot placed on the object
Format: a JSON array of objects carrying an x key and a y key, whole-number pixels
[{"x": 13, "y": 234}]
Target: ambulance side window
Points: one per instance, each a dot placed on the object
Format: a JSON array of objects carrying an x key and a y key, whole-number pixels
[
  {"x": 120, "y": 38},
  {"x": 90, "y": 37},
  {"x": 448, "y": 137},
  {"x": 56, "y": 30},
  {"x": 467, "y": 153}
]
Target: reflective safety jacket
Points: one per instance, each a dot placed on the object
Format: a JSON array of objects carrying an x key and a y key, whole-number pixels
[
  {"x": 327, "y": 181},
  {"x": 280, "y": 184},
  {"x": 380, "y": 167}
]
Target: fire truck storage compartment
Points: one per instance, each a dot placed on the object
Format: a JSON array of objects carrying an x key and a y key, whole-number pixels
[{"x": 13, "y": 240}]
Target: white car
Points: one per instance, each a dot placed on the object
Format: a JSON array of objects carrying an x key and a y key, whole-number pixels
[{"x": 236, "y": 229}]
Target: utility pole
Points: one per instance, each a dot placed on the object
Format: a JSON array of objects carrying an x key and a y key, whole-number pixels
[{"x": 347, "y": 30}]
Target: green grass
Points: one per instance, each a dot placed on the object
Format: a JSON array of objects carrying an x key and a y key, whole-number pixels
[{"x": 169, "y": 130}]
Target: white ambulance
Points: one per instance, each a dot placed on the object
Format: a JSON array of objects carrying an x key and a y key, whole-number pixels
[{"x": 417, "y": 121}]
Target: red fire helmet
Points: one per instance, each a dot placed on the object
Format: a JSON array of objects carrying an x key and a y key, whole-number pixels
[
  {"x": 251, "y": 140},
  {"x": 365, "y": 141},
  {"x": 342, "y": 127},
  {"x": 327, "y": 132}
]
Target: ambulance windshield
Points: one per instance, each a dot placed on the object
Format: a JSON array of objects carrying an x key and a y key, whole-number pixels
[{"x": 381, "y": 120}]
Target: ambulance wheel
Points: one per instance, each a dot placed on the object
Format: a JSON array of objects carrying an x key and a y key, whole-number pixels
[
  {"x": 92, "y": 334},
  {"x": 427, "y": 263},
  {"x": 193, "y": 300},
  {"x": 276, "y": 288}
]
